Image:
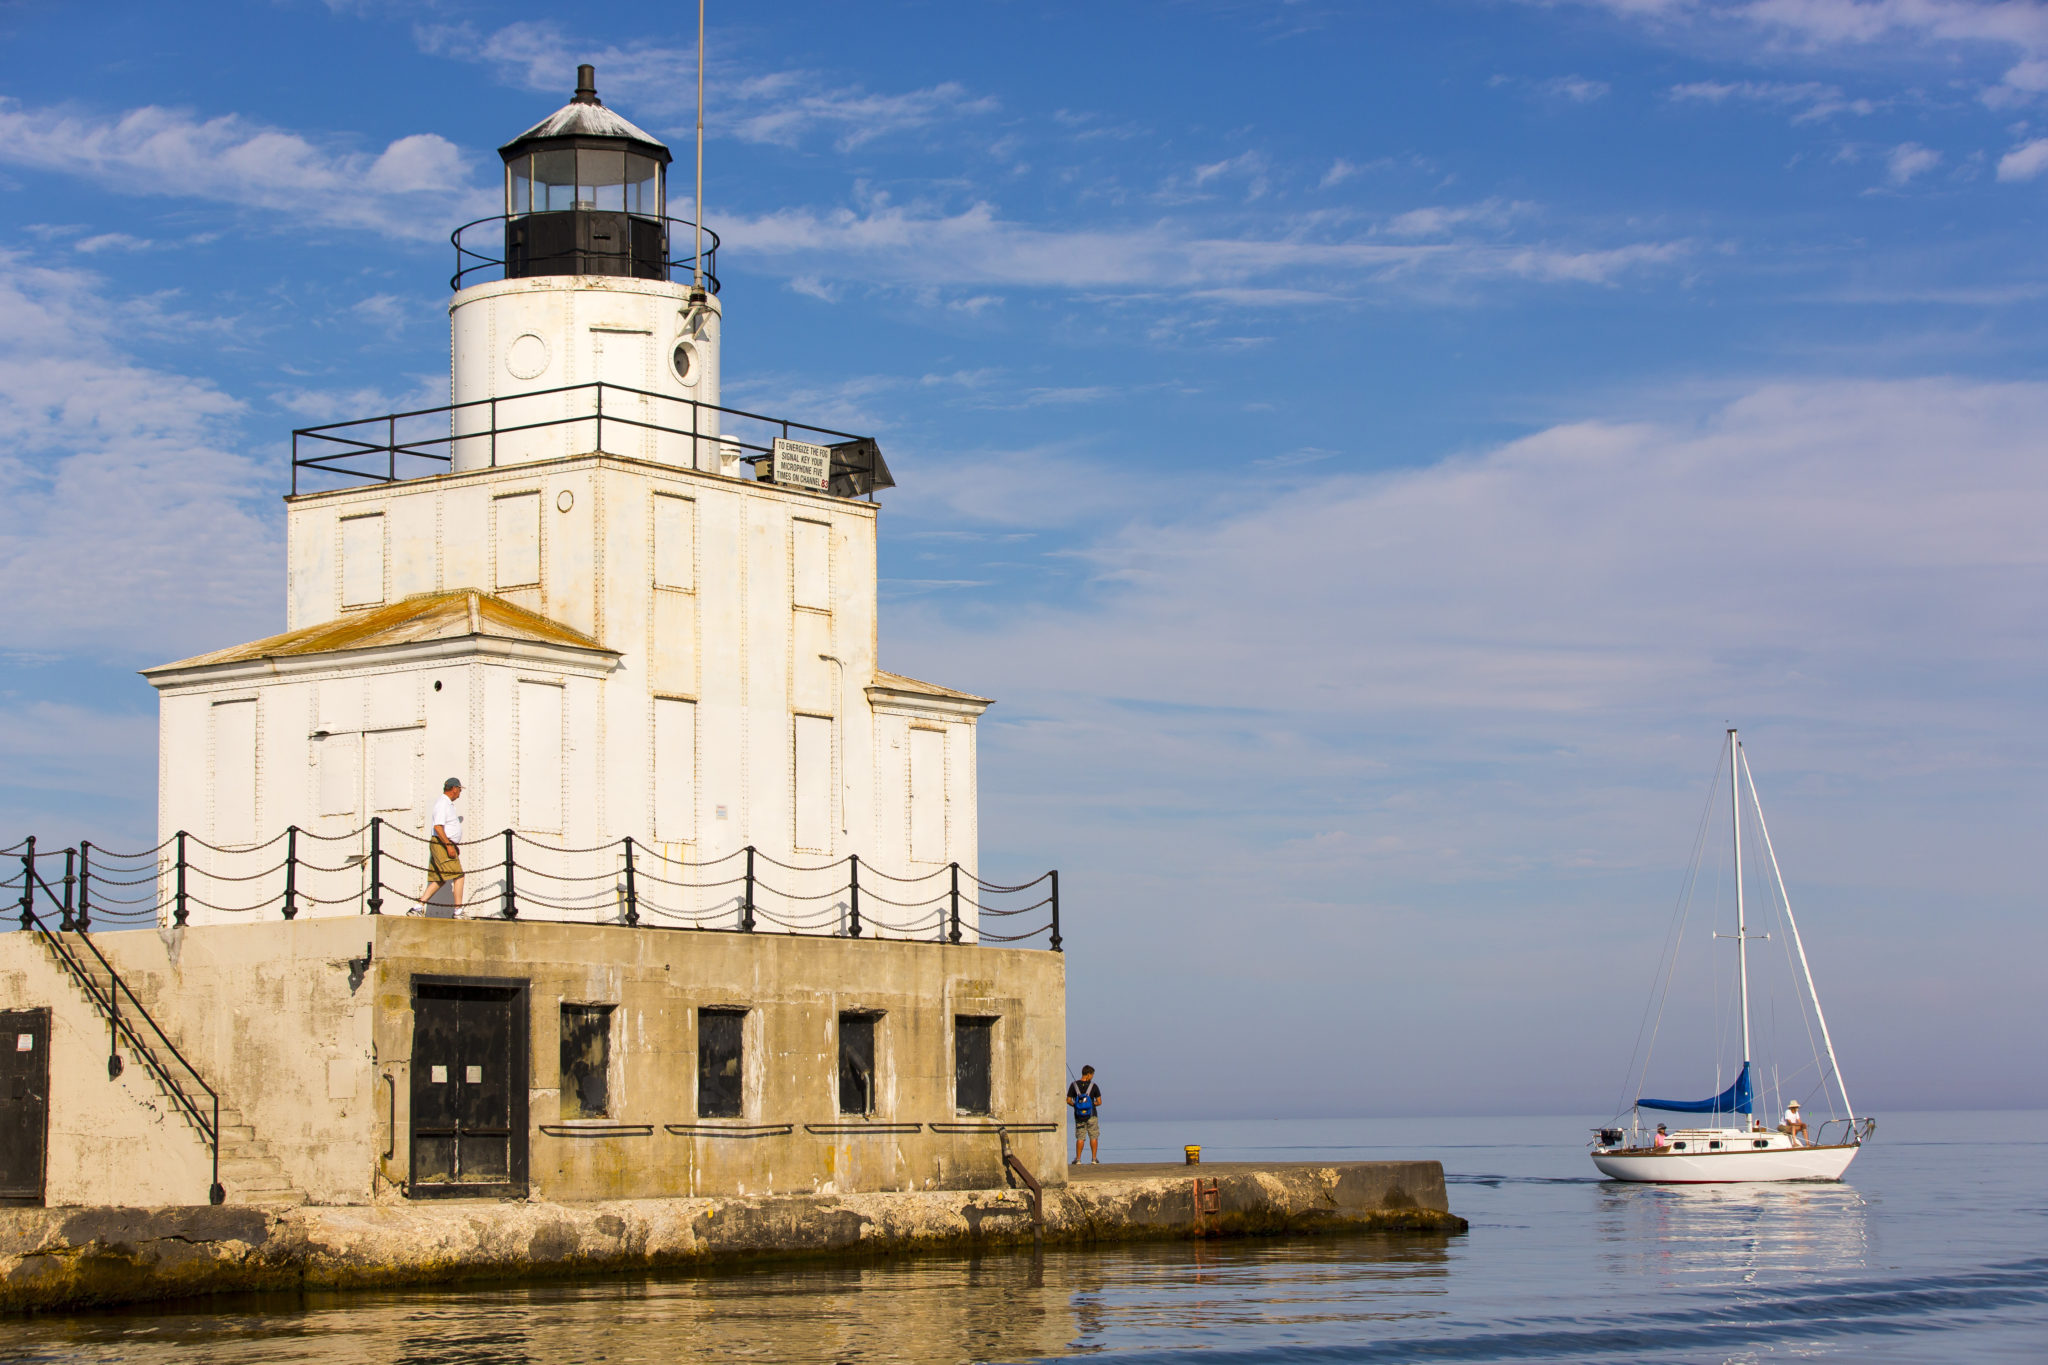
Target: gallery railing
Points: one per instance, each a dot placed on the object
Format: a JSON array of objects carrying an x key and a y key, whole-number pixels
[
  {"x": 576, "y": 419},
  {"x": 382, "y": 868}
]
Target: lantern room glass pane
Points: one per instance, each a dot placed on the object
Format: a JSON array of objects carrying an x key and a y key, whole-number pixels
[
  {"x": 519, "y": 185},
  {"x": 600, "y": 179},
  {"x": 643, "y": 186},
  {"x": 554, "y": 181}
]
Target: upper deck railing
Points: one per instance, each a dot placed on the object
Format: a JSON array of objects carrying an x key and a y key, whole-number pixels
[{"x": 502, "y": 429}]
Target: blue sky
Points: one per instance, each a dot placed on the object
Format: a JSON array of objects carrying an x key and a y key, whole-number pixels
[{"x": 1368, "y": 450}]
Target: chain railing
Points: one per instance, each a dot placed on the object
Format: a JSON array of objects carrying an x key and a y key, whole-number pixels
[{"x": 383, "y": 868}]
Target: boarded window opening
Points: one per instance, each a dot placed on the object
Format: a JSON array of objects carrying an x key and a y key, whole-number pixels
[
  {"x": 234, "y": 772},
  {"x": 813, "y": 781},
  {"x": 362, "y": 560},
  {"x": 973, "y": 1062},
  {"x": 675, "y": 542},
  {"x": 586, "y": 1061},
  {"x": 856, "y": 1063},
  {"x": 675, "y": 770},
  {"x": 811, "y": 577},
  {"x": 518, "y": 544},
  {"x": 927, "y": 796},
  {"x": 718, "y": 1063},
  {"x": 540, "y": 757}
]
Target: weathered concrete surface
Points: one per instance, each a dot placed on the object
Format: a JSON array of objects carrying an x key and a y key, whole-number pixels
[{"x": 75, "y": 1258}]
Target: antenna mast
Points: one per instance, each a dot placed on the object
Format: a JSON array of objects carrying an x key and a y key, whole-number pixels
[
  {"x": 697, "y": 256},
  {"x": 1741, "y": 928}
]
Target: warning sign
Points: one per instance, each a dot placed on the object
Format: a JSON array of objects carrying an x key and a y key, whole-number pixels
[{"x": 799, "y": 464}]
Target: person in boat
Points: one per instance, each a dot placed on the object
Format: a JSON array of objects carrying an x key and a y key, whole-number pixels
[
  {"x": 1663, "y": 1138},
  {"x": 1794, "y": 1127}
]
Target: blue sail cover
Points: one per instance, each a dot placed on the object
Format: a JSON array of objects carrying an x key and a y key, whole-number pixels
[{"x": 1736, "y": 1099}]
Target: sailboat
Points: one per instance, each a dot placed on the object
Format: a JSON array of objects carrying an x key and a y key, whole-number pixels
[{"x": 1735, "y": 1145}]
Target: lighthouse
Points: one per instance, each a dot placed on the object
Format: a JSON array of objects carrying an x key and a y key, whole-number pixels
[{"x": 718, "y": 923}]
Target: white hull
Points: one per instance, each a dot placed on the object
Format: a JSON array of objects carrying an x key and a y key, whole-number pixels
[{"x": 1719, "y": 1168}]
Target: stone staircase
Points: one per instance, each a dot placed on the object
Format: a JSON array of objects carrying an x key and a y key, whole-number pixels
[{"x": 249, "y": 1170}]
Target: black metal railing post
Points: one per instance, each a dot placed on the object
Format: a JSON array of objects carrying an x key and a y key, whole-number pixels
[
  {"x": 954, "y": 936},
  {"x": 28, "y": 883},
  {"x": 65, "y": 922},
  {"x": 291, "y": 871},
  {"x": 84, "y": 886},
  {"x": 391, "y": 446},
  {"x": 747, "y": 904},
  {"x": 600, "y": 418},
  {"x": 853, "y": 903},
  {"x": 178, "y": 915},
  {"x": 507, "y": 909},
  {"x": 632, "y": 897},
  {"x": 1056, "y": 910},
  {"x": 376, "y": 897}
]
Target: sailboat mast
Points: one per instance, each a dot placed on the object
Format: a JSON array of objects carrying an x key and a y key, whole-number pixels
[
  {"x": 1785, "y": 899},
  {"x": 1741, "y": 925}
]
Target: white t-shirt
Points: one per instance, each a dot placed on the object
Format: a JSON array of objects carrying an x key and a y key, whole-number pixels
[{"x": 449, "y": 819}]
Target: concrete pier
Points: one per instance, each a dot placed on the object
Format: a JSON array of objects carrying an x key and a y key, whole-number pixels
[{"x": 71, "y": 1258}]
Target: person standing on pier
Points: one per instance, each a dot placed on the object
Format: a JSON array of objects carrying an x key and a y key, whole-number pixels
[{"x": 1084, "y": 1097}]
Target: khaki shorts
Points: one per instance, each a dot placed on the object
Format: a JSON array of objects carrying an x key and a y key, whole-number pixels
[
  {"x": 1088, "y": 1127},
  {"x": 444, "y": 864}
]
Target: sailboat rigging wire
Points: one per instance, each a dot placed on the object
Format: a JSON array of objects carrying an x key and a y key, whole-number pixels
[
  {"x": 1673, "y": 938},
  {"x": 1793, "y": 924},
  {"x": 1791, "y": 969}
]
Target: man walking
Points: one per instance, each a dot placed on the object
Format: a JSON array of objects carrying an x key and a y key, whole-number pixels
[
  {"x": 444, "y": 849},
  {"x": 1084, "y": 1097}
]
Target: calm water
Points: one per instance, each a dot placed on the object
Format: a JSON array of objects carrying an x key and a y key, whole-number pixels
[{"x": 1937, "y": 1251}]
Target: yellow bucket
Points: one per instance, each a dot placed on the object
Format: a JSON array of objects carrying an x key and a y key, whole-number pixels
[{"x": 1194, "y": 1153}]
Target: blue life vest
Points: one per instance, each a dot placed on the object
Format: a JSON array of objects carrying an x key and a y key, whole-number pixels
[{"x": 1084, "y": 1103}]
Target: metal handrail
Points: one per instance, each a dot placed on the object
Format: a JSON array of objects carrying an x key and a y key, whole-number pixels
[
  {"x": 207, "y": 1119},
  {"x": 465, "y": 254},
  {"x": 390, "y": 448}
]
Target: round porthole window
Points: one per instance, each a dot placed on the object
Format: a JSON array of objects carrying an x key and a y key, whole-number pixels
[
  {"x": 527, "y": 357},
  {"x": 565, "y": 500},
  {"x": 683, "y": 360}
]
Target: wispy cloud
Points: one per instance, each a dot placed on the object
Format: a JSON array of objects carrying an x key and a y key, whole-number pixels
[
  {"x": 2025, "y": 161},
  {"x": 976, "y": 246},
  {"x": 1811, "y": 99},
  {"x": 1909, "y": 159},
  {"x": 658, "y": 81},
  {"x": 415, "y": 187}
]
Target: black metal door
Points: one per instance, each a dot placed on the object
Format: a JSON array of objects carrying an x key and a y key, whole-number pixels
[
  {"x": 468, "y": 1088},
  {"x": 24, "y": 1104}
]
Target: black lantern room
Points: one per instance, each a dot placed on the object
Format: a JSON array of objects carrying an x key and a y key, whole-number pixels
[{"x": 584, "y": 194}]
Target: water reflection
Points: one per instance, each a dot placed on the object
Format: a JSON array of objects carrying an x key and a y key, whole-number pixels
[
  {"x": 1706, "y": 1234},
  {"x": 996, "y": 1306}
]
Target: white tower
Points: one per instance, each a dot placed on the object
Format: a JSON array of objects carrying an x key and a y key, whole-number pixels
[{"x": 585, "y": 299}]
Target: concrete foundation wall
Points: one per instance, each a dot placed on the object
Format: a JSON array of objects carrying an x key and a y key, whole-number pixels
[{"x": 312, "y": 1049}]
